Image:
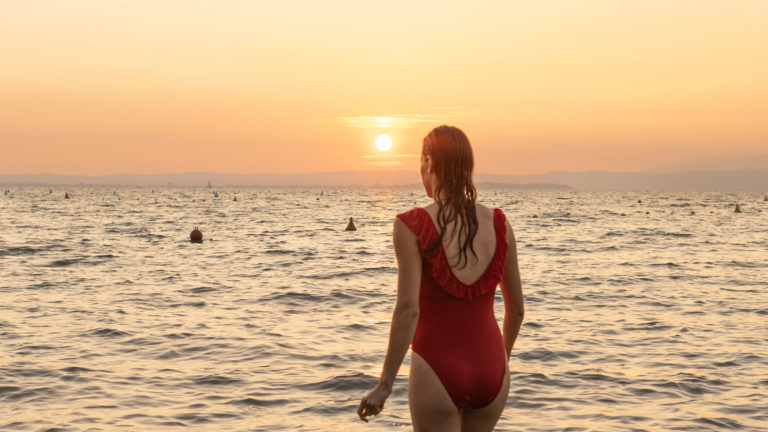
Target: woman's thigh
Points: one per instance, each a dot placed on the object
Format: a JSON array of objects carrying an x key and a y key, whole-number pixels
[
  {"x": 484, "y": 419},
  {"x": 431, "y": 407}
]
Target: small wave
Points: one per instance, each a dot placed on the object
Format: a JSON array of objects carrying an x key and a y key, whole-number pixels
[
  {"x": 65, "y": 262},
  {"x": 199, "y": 290},
  {"x": 216, "y": 380},
  {"x": 259, "y": 402},
  {"x": 545, "y": 355},
  {"x": 343, "y": 383},
  {"x": 28, "y": 250},
  {"x": 108, "y": 332},
  {"x": 191, "y": 304}
]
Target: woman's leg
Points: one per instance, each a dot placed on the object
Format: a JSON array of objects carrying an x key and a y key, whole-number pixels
[
  {"x": 431, "y": 407},
  {"x": 484, "y": 419}
]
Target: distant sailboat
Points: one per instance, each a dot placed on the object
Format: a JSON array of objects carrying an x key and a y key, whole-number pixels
[
  {"x": 215, "y": 194},
  {"x": 209, "y": 184}
]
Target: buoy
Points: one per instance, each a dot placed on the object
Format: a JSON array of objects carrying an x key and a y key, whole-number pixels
[
  {"x": 647, "y": 212},
  {"x": 196, "y": 236},
  {"x": 351, "y": 225},
  {"x": 215, "y": 194},
  {"x": 639, "y": 201},
  {"x": 693, "y": 212},
  {"x": 234, "y": 199},
  {"x": 66, "y": 195},
  {"x": 737, "y": 209},
  {"x": 568, "y": 214},
  {"x": 623, "y": 214},
  {"x": 535, "y": 216}
]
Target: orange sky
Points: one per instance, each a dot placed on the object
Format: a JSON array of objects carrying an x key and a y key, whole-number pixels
[{"x": 95, "y": 87}]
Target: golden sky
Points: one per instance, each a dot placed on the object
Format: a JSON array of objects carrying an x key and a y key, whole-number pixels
[{"x": 100, "y": 87}]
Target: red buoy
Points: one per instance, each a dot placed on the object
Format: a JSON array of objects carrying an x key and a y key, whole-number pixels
[
  {"x": 196, "y": 236},
  {"x": 351, "y": 225}
]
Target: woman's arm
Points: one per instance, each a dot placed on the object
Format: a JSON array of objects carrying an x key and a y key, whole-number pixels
[
  {"x": 404, "y": 318},
  {"x": 512, "y": 290}
]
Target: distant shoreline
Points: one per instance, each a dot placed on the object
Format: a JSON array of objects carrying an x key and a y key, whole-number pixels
[{"x": 744, "y": 179}]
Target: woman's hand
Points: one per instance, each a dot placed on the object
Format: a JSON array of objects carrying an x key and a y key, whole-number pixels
[{"x": 373, "y": 402}]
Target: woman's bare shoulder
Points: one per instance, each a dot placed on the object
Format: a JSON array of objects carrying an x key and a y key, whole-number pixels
[{"x": 483, "y": 211}]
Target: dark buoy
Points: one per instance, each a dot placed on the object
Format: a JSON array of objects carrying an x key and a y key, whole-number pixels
[
  {"x": 234, "y": 199},
  {"x": 66, "y": 195},
  {"x": 351, "y": 226},
  {"x": 737, "y": 209},
  {"x": 196, "y": 236},
  {"x": 639, "y": 201}
]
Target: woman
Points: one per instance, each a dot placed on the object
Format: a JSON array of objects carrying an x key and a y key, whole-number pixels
[{"x": 451, "y": 255}]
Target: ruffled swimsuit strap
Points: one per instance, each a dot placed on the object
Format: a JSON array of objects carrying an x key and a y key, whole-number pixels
[{"x": 420, "y": 222}]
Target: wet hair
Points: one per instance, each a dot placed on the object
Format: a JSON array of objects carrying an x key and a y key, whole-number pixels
[{"x": 455, "y": 194}]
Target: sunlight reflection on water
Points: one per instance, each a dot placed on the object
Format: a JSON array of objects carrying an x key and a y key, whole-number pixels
[{"x": 112, "y": 320}]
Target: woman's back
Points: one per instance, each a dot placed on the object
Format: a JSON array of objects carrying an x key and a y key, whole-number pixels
[{"x": 484, "y": 245}]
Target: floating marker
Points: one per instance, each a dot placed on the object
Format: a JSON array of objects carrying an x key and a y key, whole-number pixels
[
  {"x": 639, "y": 201},
  {"x": 693, "y": 212},
  {"x": 234, "y": 199},
  {"x": 623, "y": 214},
  {"x": 647, "y": 212},
  {"x": 737, "y": 209},
  {"x": 568, "y": 214},
  {"x": 66, "y": 195},
  {"x": 535, "y": 216},
  {"x": 196, "y": 236},
  {"x": 351, "y": 226}
]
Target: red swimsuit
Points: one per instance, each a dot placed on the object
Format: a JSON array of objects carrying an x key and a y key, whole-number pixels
[{"x": 457, "y": 333}]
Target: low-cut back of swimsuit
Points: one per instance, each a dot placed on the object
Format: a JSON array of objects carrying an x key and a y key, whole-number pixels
[{"x": 457, "y": 333}]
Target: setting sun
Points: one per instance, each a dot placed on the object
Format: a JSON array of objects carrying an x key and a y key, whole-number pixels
[{"x": 383, "y": 142}]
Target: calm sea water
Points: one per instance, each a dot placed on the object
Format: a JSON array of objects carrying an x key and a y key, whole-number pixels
[{"x": 111, "y": 320}]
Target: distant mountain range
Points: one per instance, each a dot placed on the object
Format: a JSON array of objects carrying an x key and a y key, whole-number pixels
[{"x": 740, "y": 179}]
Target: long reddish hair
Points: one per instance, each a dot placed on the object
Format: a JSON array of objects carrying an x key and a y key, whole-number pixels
[{"x": 455, "y": 194}]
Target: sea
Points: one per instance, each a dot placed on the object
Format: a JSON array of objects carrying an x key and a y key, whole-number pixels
[{"x": 645, "y": 310}]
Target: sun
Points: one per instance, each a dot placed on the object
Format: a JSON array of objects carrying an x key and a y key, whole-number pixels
[{"x": 383, "y": 142}]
